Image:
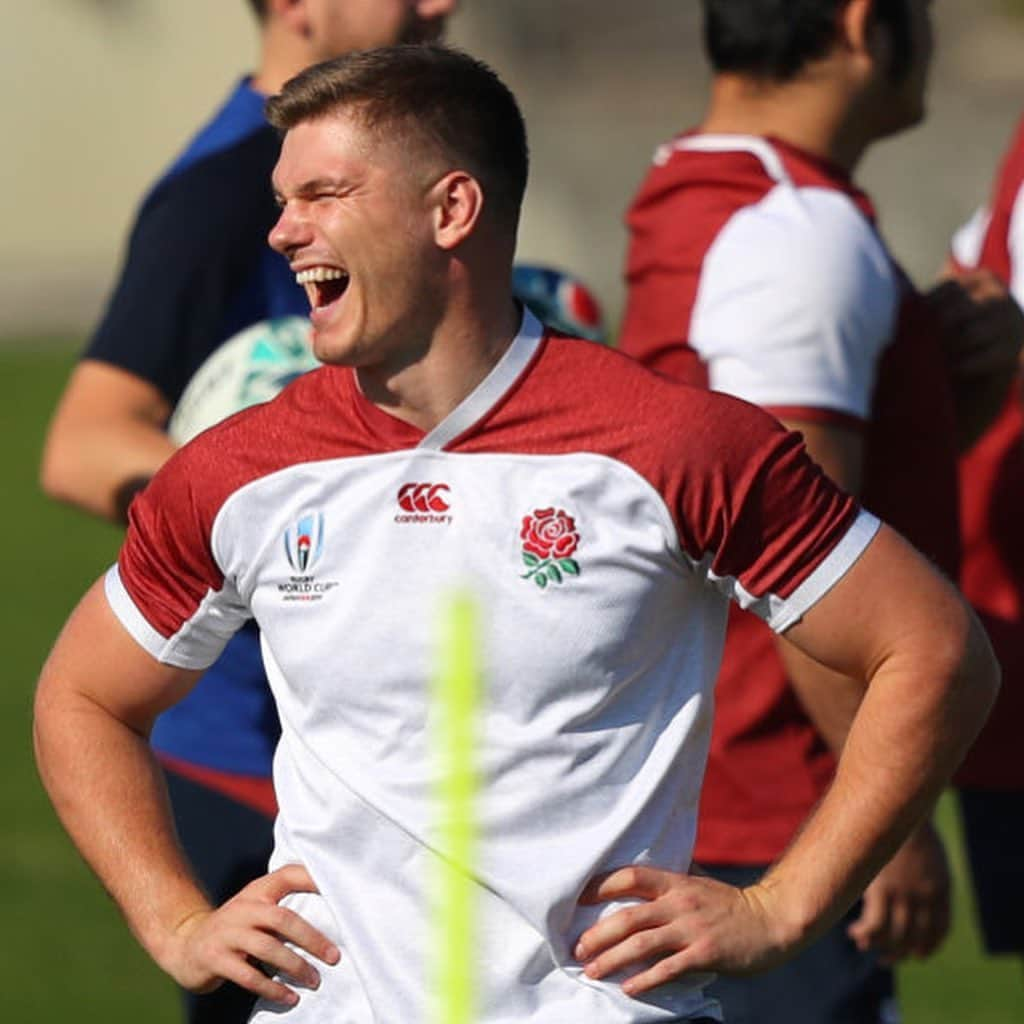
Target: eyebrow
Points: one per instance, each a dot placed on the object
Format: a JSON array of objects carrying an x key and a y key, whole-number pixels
[{"x": 314, "y": 186}]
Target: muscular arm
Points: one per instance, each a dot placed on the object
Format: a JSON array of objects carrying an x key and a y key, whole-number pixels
[
  {"x": 106, "y": 437},
  {"x": 906, "y": 909},
  {"x": 829, "y": 698},
  {"x": 931, "y": 680},
  {"x": 98, "y": 695}
]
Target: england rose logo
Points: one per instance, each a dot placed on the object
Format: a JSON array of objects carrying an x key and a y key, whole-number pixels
[{"x": 549, "y": 541}]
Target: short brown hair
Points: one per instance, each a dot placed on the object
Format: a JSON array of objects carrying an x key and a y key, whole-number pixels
[
  {"x": 455, "y": 103},
  {"x": 259, "y": 8}
]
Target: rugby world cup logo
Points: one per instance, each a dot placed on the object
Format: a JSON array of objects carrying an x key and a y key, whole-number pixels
[{"x": 304, "y": 541}]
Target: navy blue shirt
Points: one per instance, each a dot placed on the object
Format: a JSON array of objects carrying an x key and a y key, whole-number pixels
[{"x": 198, "y": 270}]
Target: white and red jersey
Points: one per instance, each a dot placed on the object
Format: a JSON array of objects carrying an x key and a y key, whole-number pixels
[
  {"x": 756, "y": 269},
  {"x": 992, "y": 495},
  {"x": 603, "y": 517}
]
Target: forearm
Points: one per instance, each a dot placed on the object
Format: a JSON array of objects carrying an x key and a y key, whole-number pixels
[
  {"x": 106, "y": 433},
  {"x": 92, "y": 465},
  {"x": 829, "y": 698},
  {"x": 917, "y": 719},
  {"x": 108, "y": 792}
]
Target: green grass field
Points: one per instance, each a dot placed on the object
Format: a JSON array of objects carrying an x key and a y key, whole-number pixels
[{"x": 67, "y": 954}]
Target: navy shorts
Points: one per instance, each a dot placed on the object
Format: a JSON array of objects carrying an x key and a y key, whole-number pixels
[
  {"x": 993, "y": 827},
  {"x": 830, "y": 982},
  {"x": 228, "y": 845}
]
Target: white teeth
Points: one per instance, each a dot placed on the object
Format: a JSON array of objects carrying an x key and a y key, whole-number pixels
[{"x": 319, "y": 274}]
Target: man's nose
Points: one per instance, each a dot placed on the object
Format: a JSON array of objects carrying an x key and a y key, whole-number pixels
[{"x": 289, "y": 233}]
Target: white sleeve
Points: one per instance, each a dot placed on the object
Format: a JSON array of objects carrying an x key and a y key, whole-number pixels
[
  {"x": 1015, "y": 245},
  {"x": 796, "y": 303},
  {"x": 967, "y": 242}
]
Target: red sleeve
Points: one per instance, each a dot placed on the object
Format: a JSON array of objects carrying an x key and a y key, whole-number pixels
[
  {"x": 760, "y": 518},
  {"x": 168, "y": 589}
]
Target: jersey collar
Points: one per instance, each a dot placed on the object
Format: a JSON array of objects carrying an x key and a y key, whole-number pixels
[
  {"x": 394, "y": 434},
  {"x": 492, "y": 389}
]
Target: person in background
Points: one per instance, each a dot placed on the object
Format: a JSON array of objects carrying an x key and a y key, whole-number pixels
[
  {"x": 602, "y": 517},
  {"x": 197, "y": 271},
  {"x": 990, "y": 783},
  {"x": 756, "y": 268}
]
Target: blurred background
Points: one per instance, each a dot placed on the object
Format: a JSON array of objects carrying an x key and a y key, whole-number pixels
[{"x": 97, "y": 96}]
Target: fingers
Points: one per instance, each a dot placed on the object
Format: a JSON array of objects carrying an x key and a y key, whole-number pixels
[
  {"x": 899, "y": 924},
  {"x": 981, "y": 335},
  {"x": 663, "y": 971},
  {"x": 685, "y": 923},
  {"x": 278, "y": 884},
  {"x": 635, "y": 880},
  {"x": 934, "y": 928},
  {"x": 615, "y": 929},
  {"x": 872, "y": 925},
  {"x": 252, "y": 926},
  {"x": 981, "y": 284},
  {"x": 245, "y": 974},
  {"x": 638, "y": 933}
]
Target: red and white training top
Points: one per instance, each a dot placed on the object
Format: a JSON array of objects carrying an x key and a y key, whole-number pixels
[
  {"x": 603, "y": 517},
  {"x": 992, "y": 495},
  {"x": 756, "y": 269}
]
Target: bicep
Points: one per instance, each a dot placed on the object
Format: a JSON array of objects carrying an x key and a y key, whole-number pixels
[
  {"x": 891, "y": 602},
  {"x": 97, "y": 662}
]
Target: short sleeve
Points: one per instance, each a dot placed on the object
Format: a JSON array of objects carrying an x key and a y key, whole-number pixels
[
  {"x": 969, "y": 239},
  {"x": 167, "y": 588},
  {"x": 1015, "y": 245},
  {"x": 759, "y": 519},
  {"x": 796, "y": 303}
]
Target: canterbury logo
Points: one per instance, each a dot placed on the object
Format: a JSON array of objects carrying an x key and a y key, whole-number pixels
[{"x": 423, "y": 497}]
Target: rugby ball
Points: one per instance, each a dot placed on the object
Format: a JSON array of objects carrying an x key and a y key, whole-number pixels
[
  {"x": 559, "y": 300},
  {"x": 250, "y": 367}
]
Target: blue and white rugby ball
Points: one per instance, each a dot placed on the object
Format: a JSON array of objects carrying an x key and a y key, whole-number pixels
[{"x": 249, "y": 368}]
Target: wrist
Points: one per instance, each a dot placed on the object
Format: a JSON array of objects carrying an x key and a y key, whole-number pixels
[
  {"x": 168, "y": 947},
  {"x": 791, "y": 918}
]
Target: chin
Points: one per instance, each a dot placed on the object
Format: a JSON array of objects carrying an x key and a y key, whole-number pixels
[{"x": 898, "y": 121}]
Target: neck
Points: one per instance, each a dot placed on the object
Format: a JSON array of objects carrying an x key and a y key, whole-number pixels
[
  {"x": 283, "y": 55},
  {"x": 423, "y": 389},
  {"x": 811, "y": 113}
]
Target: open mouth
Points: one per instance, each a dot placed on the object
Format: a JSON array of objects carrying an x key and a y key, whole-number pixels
[{"x": 323, "y": 285}]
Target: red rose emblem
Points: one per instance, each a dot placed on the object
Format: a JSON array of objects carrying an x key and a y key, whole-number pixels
[
  {"x": 549, "y": 534},
  {"x": 549, "y": 540}
]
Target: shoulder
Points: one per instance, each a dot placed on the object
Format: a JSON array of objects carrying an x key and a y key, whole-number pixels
[
  {"x": 216, "y": 192},
  {"x": 666, "y": 419},
  {"x": 814, "y": 237},
  {"x": 261, "y": 440},
  {"x": 802, "y": 267},
  {"x": 689, "y": 193}
]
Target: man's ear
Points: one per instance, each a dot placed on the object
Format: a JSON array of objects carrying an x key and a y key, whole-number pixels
[
  {"x": 458, "y": 202},
  {"x": 292, "y": 13},
  {"x": 432, "y": 8},
  {"x": 858, "y": 27}
]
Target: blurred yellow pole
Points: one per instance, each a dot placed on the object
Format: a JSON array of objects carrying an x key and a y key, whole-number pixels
[{"x": 456, "y": 695}]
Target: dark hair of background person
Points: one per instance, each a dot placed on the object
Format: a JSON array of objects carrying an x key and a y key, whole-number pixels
[
  {"x": 259, "y": 8},
  {"x": 775, "y": 39},
  {"x": 454, "y": 102}
]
